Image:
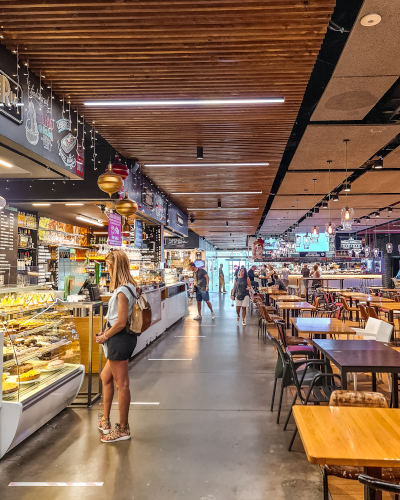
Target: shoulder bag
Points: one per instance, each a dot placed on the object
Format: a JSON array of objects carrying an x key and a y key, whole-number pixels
[{"x": 140, "y": 319}]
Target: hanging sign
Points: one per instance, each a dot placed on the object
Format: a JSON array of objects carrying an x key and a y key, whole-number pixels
[
  {"x": 80, "y": 161},
  {"x": 114, "y": 230},
  {"x": 138, "y": 234},
  {"x": 351, "y": 244},
  {"x": 11, "y": 98}
]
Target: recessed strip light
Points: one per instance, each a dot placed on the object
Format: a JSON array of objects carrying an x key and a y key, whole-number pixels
[
  {"x": 223, "y": 192},
  {"x": 264, "y": 164},
  {"x": 90, "y": 221},
  {"x": 73, "y": 204},
  {"x": 41, "y": 204},
  {"x": 5, "y": 164},
  {"x": 218, "y": 209},
  {"x": 186, "y": 102}
]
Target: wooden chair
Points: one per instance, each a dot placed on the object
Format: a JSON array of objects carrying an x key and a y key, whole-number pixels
[
  {"x": 345, "y": 472},
  {"x": 363, "y": 315},
  {"x": 377, "y": 484},
  {"x": 347, "y": 309},
  {"x": 372, "y": 313}
]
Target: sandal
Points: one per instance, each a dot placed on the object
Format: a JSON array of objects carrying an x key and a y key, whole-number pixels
[
  {"x": 104, "y": 424},
  {"x": 120, "y": 433}
]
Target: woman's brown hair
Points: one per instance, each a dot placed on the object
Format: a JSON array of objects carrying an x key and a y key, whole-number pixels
[{"x": 120, "y": 271}]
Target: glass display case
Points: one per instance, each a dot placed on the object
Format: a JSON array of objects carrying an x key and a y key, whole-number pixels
[
  {"x": 171, "y": 276},
  {"x": 150, "y": 277},
  {"x": 40, "y": 362},
  {"x": 41, "y": 344}
]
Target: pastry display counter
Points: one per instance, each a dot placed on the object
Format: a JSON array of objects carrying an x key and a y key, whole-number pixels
[{"x": 39, "y": 361}]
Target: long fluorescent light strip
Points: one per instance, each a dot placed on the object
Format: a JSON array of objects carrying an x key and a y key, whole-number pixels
[
  {"x": 41, "y": 204},
  {"x": 263, "y": 164},
  {"x": 73, "y": 204},
  {"x": 90, "y": 221},
  {"x": 218, "y": 209},
  {"x": 5, "y": 164},
  {"x": 224, "y": 192},
  {"x": 187, "y": 102}
]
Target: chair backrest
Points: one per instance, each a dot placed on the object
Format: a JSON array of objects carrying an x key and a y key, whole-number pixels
[
  {"x": 372, "y": 325},
  {"x": 372, "y": 313},
  {"x": 326, "y": 298},
  {"x": 344, "y": 302},
  {"x": 282, "y": 333},
  {"x": 396, "y": 298},
  {"x": 385, "y": 331},
  {"x": 316, "y": 302},
  {"x": 363, "y": 312},
  {"x": 358, "y": 398},
  {"x": 331, "y": 297}
]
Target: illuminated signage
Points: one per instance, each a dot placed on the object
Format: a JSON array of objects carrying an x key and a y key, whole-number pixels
[{"x": 11, "y": 98}]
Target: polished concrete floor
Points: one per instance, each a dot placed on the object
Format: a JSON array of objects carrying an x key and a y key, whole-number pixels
[{"x": 211, "y": 437}]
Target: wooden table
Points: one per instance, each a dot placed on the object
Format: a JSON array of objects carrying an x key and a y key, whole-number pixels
[
  {"x": 320, "y": 326},
  {"x": 339, "y": 435},
  {"x": 286, "y": 298},
  {"x": 362, "y": 297},
  {"x": 366, "y": 356},
  {"x": 269, "y": 291},
  {"x": 294, "y": 307},
  {"x": 387, "y": 306}
]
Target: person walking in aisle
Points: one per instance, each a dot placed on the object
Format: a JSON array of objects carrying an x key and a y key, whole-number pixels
[
  {"x": 252, "y": 277},
  {"x": 241, "y": 294},
  {"x": 201, "y": 280},
  {"x": 285, "y": 275},
  {"x": 118, "y": 345},
  {"x": 221, "y": 279}
]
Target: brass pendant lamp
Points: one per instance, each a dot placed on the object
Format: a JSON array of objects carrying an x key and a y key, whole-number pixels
[
  {"x": 110, "y": 182},
  {"x": 126, "y": 206}
]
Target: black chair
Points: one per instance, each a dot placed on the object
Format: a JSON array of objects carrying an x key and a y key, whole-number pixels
[
  {"x": 318, "y": 392},
  {"x": 373, "y": 484},
  {"x": 283, "y": 372}
]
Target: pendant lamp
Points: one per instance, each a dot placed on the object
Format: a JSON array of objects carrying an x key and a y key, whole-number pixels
[
  {"x": 110, "y": 182},
  {"x": 306, "y": 241},
  {"x": 376, "y": 252},
  {"x": 330, "y": 227},
  {"x": 126, "y": 206},
  {"x": 347, "y": 214},
  {"x": 119, "y": 168},
  {"x": 389, "y": 247},
  {"x": 2, "y": 202},
  {"x": 314, "y": 236}
]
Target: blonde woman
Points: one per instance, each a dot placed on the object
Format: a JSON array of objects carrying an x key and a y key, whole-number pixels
[{"x": 119, "y": 345}]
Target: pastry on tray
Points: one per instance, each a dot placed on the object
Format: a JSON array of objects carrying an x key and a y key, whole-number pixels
[
  {"x": 9, "y": 387},
  {"x": 31, "y": 375},
  {"x": 57, "y": 363},
  {"x": 25, "y": 367}
]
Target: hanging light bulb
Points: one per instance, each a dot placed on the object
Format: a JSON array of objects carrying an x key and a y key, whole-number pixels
[
  {"x": 330, "y": 229},
  {"x": 314, "y": 234},
  {"x": 350, "y": 252},
  {"x": 347, "y": 217},
  {"x": 298, "y": 240},
  {"x": 306, "y": 241},
  {"x": 376, "y": 252},
  {"x": 389, "y": 248}
]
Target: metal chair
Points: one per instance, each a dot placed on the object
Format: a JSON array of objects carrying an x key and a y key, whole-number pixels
[
  {"x": 283, "y": 372},
  {"x": 377, "y": 484},
  {"x": 318, "y": 392},
  {"x": 363, "y": 315},
  {"x": 347, "y": 309}
]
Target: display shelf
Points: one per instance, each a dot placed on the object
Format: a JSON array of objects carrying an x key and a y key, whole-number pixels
[
  {"x": 38, "y": 329},
  {"x": 35, "y": 354}
]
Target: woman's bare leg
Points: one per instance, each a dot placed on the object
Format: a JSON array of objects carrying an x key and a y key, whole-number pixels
[
  {"x": 108, "y": 389},
  {"x": 120, "y": 373},
  {"x": 238, "y": 311}
]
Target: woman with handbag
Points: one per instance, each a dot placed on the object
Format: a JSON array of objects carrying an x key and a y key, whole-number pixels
[
  {"x": 118, "y": 345},
  {"x": 240, "y": 293}
]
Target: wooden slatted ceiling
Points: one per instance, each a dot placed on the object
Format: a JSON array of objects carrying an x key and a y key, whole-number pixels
[{"x": 158, "y": 49}]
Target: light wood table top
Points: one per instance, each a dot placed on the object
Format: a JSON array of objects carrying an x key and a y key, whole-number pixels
[
  {"x": 286, "y": 298},
  {"x": 271, "y": 291},
  {"x": 335, "y": 435},
  {"x": 355, "y": 295},
  {"x": 390, "y": 306},
  {"x": 294, "y": 305},
  {"x": 321, "y": 326}
]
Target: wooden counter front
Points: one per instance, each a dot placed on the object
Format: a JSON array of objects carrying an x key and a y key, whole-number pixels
[{"x": 82, "y": 326}]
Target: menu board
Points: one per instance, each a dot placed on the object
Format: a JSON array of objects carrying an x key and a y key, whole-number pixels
[
  {"x": 8, "y": 246},
  {"x": 138, "y": 234}
]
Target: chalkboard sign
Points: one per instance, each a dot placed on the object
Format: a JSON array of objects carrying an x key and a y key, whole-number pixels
[
  {"x": 8, "y": 246},
  {"x": 147, "y": 197}
]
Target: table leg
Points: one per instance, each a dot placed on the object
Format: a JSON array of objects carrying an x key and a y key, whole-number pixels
[
  {"x": 344, "y": 379},
  {"x": 351, "y": 312},
  {"x": 390, "y": 316},
  {"x": 395, "y": 390},
  {"x": 370, "y": 494},
  {"x": 357, "y": 313},
  {"x": 287, "y": 318},
  {"x": 373, "y": 382}
]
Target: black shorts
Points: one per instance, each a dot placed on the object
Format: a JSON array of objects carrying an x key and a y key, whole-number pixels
[{"x": 120, "y": 346}]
